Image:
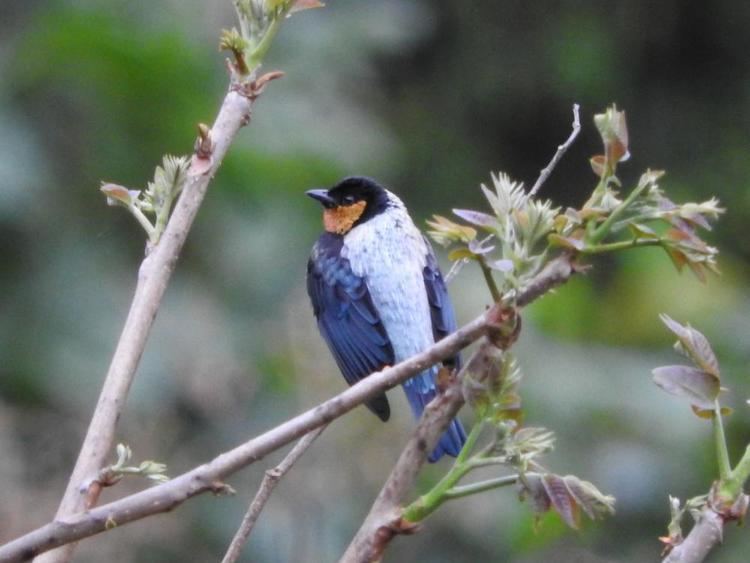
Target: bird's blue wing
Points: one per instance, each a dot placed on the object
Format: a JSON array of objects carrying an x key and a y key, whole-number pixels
[
  {"x": 347, "y": 318},
  {"x": 441, "y": 308}
]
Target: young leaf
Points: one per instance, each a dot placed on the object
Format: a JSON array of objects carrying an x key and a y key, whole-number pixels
[
  {"x": 699, "y": 387},
  {"x": 446, "y": 232},
  {"x": 594, "y": 503},
  {"x": 565, "y": 242},
  {"x": 503, "y": 265},
  {"x": 567, "y": 495},
  {"x": 614, "y": 132},
  {"x": 460, "y": 254},
  {"x": 561, "y": 499},
  {"x": 119, "y": 194},
  {"x": 708, "y": 414},
  {"x": 483, "y": 220},
  {"x": 693, "y": 344}
]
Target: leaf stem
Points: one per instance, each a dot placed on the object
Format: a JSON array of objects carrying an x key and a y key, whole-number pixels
[
  {"x": 259, "y": 51},
  {"x": 480, "y": 487},
  {"x": 722, "y": 455},
  {"x": 145, "y": 223},
  {"x": 487, "y": 272},
  {"x": 431, "y": 500},
  {"x": 162, "y": 214},
  {"x": 603, "y": 230},
  {"x": 739, "y": 474},
  {"x": 620, "y": 245}
]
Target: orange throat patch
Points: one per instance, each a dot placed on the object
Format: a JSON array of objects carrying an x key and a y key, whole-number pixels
[{"x": 339, "y": 220}]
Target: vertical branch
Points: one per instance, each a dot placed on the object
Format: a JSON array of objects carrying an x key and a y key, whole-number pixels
[{"x": 153, "y": 277}]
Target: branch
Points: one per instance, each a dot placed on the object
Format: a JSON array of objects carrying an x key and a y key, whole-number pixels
[
  {"x": 561, "y": 150},
  {"x": 384, "y": 520},
  {"x": 153, "y": 276},
  {"x": 706, "y": 533},
  {"x": 271, "y": 479},
  {"x": 210, "y": 476}
]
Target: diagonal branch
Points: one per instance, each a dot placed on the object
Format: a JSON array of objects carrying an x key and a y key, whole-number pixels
[
  {"x": 384, "y": 520},
  {"x": 210, "y": 476},
  {"x": 153, "y": 277},
  {"x": 270, "y": 480}
]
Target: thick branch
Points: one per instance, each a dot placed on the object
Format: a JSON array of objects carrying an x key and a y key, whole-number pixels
[
  {"x": 704, "y": 535},
  {"x": 384, "y": 520},
  {"x": 209, "y": 477},
  {"x": 153, "y": 276},
  {"x": 270, "y": 480}
]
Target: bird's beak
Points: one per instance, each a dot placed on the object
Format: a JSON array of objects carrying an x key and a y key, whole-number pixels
[{"x": 322, "y": 196}]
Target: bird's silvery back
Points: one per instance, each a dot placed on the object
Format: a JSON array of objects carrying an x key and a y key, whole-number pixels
[{"x": 390, "y": 253}]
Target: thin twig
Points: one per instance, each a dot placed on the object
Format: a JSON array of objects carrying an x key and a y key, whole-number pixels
[
  {"x": 153, "y": 277},
  {"x": 545, "y": 173},
  {"x": 270, "y": 480},
  {"x": 210, "y": 476}
]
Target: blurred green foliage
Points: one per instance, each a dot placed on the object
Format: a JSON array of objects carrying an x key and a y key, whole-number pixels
[{"x": 428, "y": 97}]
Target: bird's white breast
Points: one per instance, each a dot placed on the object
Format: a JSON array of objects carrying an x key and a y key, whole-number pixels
[{"x": 390, "y": 253}]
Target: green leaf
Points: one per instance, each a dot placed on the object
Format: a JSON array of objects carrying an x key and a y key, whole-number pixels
[
  {"x": 460, "y": 254},
  {"x": 699, "y": 387},
  {"x": 565, "y": 242},
  {"x": 710, "y": 413},
  {"x": 446, "y": 232}
]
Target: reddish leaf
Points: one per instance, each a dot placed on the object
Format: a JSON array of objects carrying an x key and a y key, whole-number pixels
[
  {"x": 565, "y": 242},
  {"x": 561, "y": 499},
  {"x": 599, "y": 164},
  {"x": 678, "y": 258},
  {"x": 118, "y": 194},
  {"x": 533, "y": 487},
  {"x": 300, "y": 5},
  {"x": 694, "y": 345}
]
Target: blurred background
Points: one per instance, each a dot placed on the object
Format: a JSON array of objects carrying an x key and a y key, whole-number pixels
[{"x": 428, "y": 97}]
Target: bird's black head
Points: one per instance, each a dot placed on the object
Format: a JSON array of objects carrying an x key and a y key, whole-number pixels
[{"x": 351, "y": 202}]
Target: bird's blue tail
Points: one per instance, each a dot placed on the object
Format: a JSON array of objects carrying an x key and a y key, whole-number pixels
[{"x": 421, "y": 390}]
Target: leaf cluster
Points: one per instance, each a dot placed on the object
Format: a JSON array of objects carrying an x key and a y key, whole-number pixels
[
  {"x": 522, "y": 232},
  {"x": 493, "y": 394},
  {"x": 259, "y": 20},
  {"x": 700, "y": 383},
  {"x": 156, "y": 200}
]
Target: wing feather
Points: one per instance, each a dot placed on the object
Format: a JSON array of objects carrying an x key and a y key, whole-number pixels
[{"x": 347, "y": 318}]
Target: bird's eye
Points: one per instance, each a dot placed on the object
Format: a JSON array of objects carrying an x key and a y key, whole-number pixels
[{"x": 348, "y": 200}]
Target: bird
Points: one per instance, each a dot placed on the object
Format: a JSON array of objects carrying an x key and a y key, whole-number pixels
[{"x": 378, "y": 294}]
